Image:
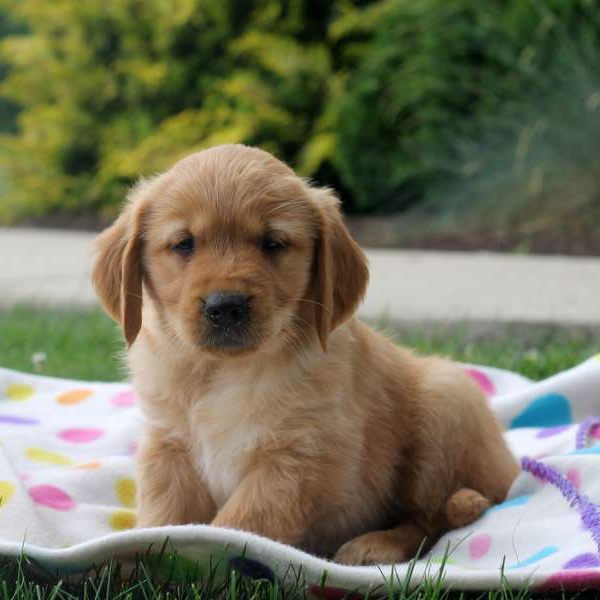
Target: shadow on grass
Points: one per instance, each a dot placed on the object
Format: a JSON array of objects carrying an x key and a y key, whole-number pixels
[{"x": 165, "y": 574}]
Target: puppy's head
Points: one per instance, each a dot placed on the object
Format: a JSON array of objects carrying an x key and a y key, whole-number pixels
[{"x": 234, "y": 252}]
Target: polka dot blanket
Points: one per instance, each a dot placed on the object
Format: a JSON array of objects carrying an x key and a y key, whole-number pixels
[{"x": 67, "y": 491}]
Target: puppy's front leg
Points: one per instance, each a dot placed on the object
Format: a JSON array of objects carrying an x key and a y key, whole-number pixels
[
  {"x": 270, "y": 502},
  {"x": 170, "y": 492}
]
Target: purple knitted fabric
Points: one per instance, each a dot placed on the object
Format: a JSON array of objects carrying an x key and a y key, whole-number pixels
[
  {"x": 583, "y": 431},
  {"x": 588, "y": 512}
]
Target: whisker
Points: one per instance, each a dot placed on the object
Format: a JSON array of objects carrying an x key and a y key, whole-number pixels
[
  {"x": 316, "y": 303},
  {"x": 292, "y": 341},
  {"x": 303, "y": 331}
]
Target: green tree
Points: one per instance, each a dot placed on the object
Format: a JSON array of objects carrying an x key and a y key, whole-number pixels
[
  {"x": 387, "y": 100},
  {"x": 434, "y": 75},
  {"x": 111, "y": 89}
]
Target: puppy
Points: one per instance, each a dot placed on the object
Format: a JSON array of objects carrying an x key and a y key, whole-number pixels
[{"x": 268, "y": 407}]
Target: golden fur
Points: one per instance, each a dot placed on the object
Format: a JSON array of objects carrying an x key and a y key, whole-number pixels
[{"x": 316, "y": 430}]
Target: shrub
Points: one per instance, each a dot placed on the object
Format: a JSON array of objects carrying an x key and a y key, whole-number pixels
[
  {"x": 111, "y": 89},
  {"x": 435, "y": 74},
  {"x": 401, "y": 104},
  {"x": 532, "y": 168}
]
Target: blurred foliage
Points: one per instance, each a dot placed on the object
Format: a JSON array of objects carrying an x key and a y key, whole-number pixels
[
  {"x": 530, "y": 167},
  {"x": 388, "y": 100},
  {"x": 111, "y": 89},
  {"x": 8, "y": 109},
  {"x": 438, "y": 76}
]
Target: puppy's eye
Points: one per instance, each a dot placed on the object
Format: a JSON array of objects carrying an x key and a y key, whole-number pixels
[
  {"x": 184, "y": 247},
  {"x": 271, "y": 244}
]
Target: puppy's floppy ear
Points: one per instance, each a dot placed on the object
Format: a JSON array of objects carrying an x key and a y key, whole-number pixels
[
  {"x": 117, "y": 272},
  {"x": 341, "y": 271}
]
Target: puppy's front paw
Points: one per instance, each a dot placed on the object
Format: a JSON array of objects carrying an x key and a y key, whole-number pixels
[
  {"x": 378, "y": 547},
  {"x": 231, "y": 522}
]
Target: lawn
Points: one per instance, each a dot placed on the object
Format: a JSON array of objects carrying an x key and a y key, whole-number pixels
[
  {"x": 76, "y": 344},
  {"x": 87, "y": 345}
]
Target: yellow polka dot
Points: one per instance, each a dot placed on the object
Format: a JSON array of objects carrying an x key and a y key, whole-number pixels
[
  {"x": 7, "y": 489},
  {"x": 89, "y": 466},
  {"x": 122, "y": 519},
  {"x": 126, "y": 492},
  {"x": 45, "y": 456},
  {"x": 19, "y": 392},
  {"x": 74, "y": 397},
  {"x": 597, "y": 357}
]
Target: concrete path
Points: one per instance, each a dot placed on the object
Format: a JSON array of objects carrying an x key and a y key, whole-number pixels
[{"x": 53, "y": 267}]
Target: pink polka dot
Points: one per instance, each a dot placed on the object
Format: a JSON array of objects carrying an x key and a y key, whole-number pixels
[
  {"x": 485, "y": 383},
  {"x": 123, "y": 399},
  {"x": 479, "y": 546},
  {"x": 80, "y": 436},
  {"x": 595, "y": 432},
  {"x": 52, "y": 497},
  {"x": 574, "y": 476},
  {"x": 132, "y": 448}
]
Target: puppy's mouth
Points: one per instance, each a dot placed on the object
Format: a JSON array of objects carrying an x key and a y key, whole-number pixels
[
  {"x": 230, "y": 340},
  {"x": 227, "y": 338}
]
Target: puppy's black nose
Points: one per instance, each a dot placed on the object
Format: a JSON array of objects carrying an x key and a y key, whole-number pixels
[{"x": 227, "y": 309}]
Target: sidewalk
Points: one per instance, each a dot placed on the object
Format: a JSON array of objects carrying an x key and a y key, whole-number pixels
[{"x": 53, "y": 267}]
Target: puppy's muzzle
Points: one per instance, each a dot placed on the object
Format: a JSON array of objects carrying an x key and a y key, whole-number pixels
[{"x": 226, "y": 310}]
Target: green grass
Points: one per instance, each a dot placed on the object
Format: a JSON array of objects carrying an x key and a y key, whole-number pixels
[
  {"x": 86, "y": 345},
  {"x": 536, "y": 351},
  {"x": 164, "y": 578},
  {"x": 78, "y": 345}
]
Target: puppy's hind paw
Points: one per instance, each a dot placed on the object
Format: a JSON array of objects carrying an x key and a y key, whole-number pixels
[
  {"x": 464, "y": 507},
  {"x": 376, "y": 548}
]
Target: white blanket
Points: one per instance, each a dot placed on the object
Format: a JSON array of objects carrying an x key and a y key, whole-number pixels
[{"x": 67, "y": 490}]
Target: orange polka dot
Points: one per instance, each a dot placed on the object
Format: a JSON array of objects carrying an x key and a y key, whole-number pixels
[
  {"x": 74, "y": 397},
  {"x": 89, "y": 466},
  {"x": 122, "y": 519}
]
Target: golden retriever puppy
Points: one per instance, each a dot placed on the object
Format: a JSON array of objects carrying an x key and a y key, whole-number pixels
[{"x": 268, "y": 407}]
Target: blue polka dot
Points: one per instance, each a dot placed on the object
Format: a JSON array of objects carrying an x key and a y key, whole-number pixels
[
  {"x": 518, "y": 501},
  {"x": 550, "y": 410},
  {"x": 540, "y": 555},
  {"x": 590, "y": 450}
]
